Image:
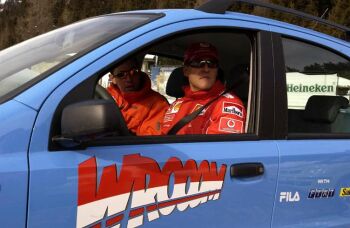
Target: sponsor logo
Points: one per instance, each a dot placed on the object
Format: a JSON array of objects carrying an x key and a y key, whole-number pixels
[
  {"x": 289, "y": 197},
  {"x": 175, "y": 107},
  {"x": 344, "y": 192},
  {"x": 168, "y": 118},
  {"x": 320, "y": 193},
  {"x": 291, "y": 88},
  {"x": 228, "y": 95},
  {"x": 232, "y": 108},
  {"x": 198, "y": 106},
  {"x": 323, "y": 181},
  {"x": 141, "y": 190},
  {"x": 230, "y": 125}
]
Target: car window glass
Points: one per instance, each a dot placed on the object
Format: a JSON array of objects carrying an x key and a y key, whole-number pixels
[
  {"x": 30, "y": 59},
  {"x": 318, "y": 83}
]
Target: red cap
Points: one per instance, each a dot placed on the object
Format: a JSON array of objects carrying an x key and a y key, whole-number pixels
[{"x": 200, "y": 51}]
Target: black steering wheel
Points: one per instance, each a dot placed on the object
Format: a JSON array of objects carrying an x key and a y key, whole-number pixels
[{"x": 102, "y": 93}]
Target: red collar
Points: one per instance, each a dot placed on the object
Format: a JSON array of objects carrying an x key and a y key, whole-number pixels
[{"x": 217, "y": 88}]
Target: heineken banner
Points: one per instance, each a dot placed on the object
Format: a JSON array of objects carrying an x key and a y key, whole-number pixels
[{"x": 301, "y": 86}]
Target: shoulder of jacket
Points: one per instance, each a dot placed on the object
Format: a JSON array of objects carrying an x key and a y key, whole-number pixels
[
  {"x": 229, "y": 96},
  {"x": 154, "y": 96}
]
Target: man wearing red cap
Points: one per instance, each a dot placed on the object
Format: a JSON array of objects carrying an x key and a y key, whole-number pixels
[{"x": 224, "y": 115}]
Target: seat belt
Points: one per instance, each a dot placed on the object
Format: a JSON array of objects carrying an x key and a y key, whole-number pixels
[{"x": 186, "y": 119}]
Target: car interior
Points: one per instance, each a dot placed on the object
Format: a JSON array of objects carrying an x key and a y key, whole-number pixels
[
  {"x": 234, "y": 48},
  {"x": 322, "y": 114}
]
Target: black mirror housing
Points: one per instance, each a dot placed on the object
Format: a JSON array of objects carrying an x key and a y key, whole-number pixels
[{"x": 92, "y": 118}]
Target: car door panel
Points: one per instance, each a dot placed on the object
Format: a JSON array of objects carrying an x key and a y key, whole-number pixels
[
  {"x": 317, "y": 170},
  {"x": 313, "y": 164},
  {"x": 82, "y": 186},
  {"x": 74, "y": 178}
]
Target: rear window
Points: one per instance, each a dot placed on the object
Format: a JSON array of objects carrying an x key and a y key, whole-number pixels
[{"x": 27, "y": 61}]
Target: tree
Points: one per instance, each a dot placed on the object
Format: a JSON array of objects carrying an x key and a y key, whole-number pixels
[
  {"x": 24, "y": 19},
  {"x": 341, "y": 15}
]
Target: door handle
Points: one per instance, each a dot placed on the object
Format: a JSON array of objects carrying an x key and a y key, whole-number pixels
[{"x": 244, "y": 170}]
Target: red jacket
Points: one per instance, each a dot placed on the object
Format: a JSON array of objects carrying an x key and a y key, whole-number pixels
[
  {"x": 226, "y": 115},
  {"x": 143, "y": 110}
]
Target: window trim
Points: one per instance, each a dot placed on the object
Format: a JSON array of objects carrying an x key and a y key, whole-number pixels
[
  {"x": 265, "y": 87},
  {"x": 281, "y": 102}
]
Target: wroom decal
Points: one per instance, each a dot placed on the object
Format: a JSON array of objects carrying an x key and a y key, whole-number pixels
[{"x": 143, "y": 191}]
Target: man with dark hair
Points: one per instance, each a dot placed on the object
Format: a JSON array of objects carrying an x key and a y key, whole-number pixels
[
  {"x": 224, "y": 112},
  {"x": 143, "y": 108}
]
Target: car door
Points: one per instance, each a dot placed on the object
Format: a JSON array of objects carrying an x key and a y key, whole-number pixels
[
  {"x": 188, "y": 181},
  {"x": 314, "y": 179},
  {"x": 16, "y": 124}
]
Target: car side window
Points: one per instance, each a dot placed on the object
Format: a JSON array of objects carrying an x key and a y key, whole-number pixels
[
  {"x": 163, "y": 63},
  {"x": 318, "y": 84}
]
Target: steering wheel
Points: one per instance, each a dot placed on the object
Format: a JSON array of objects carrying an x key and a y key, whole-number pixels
[{"x": 102, "y": 93}]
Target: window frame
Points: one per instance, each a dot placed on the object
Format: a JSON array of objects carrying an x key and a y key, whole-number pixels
[{"x": 263, "y": 114}]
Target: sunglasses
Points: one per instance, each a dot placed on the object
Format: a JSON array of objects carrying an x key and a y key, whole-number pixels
[
  {"x": 122, "y": 74},
  {"x": 198, "y": 63}
]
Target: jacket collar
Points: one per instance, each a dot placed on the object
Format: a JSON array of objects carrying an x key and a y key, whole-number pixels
[{"x": 217, "y": 88}]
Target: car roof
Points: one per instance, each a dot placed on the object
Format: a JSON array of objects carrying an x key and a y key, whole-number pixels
[{"x": 188, "y": 14}]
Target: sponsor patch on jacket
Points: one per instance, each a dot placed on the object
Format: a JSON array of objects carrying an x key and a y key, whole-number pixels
[
  {"x": 174, "y": 108},
  {"x": 198, "y": 106},
  {"x": 230, "y": 125},
  {"x": 168, "y": 118},
  {"x": 344, "y": 192},
  {"x": 228, "y": 95},
  {"x": 232, "y": 108}
]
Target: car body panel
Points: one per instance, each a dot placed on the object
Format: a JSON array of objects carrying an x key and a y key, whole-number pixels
[
  {"x": 80, "y": 187},
  {"x": 15, "y": 130},
  {"x": 307, "y": 166}
]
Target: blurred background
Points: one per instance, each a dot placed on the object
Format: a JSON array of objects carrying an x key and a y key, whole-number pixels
[{"x": 23, "y": 19}]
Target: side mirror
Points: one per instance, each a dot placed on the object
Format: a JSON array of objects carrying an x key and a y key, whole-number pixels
[{"x": 89, "y": 120}]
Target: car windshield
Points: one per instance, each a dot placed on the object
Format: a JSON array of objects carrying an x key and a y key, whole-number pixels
[{"x": 28, "y": 60}]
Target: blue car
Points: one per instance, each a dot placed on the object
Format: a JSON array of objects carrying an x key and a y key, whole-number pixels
[{"x": 67, "y": 158}]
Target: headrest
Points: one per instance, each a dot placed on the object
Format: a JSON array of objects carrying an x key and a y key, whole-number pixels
[
  {"x": 324, "y": 108},
  {"x": 238, "y": 81},
  {"x": 175, "y": 83},
  {"x": 239, "y": 74}
]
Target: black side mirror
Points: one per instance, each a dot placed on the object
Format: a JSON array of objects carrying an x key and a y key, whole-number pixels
[{"x": 89, "y": 120}]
